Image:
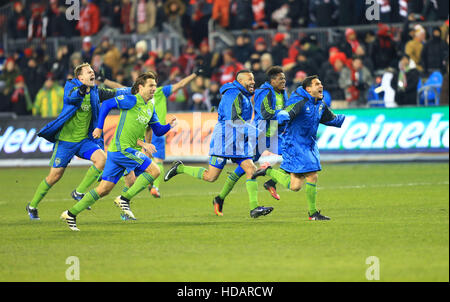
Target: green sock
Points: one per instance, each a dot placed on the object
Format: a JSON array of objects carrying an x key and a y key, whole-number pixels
[
  {"x": 279, "y": 176},
  {"x": 140, "y": 184},
  {"x": 89, "y": 199},
  {"x": 161, "y": 175},
  {"x": 229, "y": 184},
  {"x": 125, "y": 188},
  {"x": 252, "y": 190},
  {"x": 196, "y": 172},
  {"x": 41, "y": 191},
  {"x": 89, "y": 178},
  {"x": 311, "y": 193}
]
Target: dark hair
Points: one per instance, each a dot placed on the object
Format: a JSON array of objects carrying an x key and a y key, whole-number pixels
[
  {"x": 141, "y": 80},
  {"x": 307, "y": 82},
  {"x": 242, "y": 71},
  {"x": 273, "y": 71}
]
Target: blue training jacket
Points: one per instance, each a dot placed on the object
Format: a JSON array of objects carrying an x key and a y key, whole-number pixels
[
  {"x": 230, "y": 135},
  {"x": 72, "y": 102},
  {"x": 300, "y": 151}
]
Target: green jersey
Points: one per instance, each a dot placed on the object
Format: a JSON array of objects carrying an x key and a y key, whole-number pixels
[
  {"x": 77, "y": 127},
  {"x": 135, "y": 117},
  {"x": 160, "y": 98}
]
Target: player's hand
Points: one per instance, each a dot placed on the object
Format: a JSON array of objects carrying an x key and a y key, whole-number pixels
[
  {"x": 97, "y": 133},
  {"x": 100, "y": 76},
  {"x": 173, "y": 121},
  {"x": 199, "y": 71},
  {"x": 149, "y": 148},
  {"x": 83, "y": 89},
  {"x": 282, "y": 117}
]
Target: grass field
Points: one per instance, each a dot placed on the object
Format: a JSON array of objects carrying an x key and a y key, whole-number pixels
[{"x": 396, "y": 212}]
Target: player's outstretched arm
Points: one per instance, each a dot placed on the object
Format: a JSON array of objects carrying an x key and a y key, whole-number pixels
[
  {"x": 330, "y": 119},
  {"x": 187, "y": 80}
]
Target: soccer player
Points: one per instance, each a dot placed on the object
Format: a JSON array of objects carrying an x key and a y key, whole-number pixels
[
  {"x": 236, "y": 108},
  {"x": 301, "y": 162},
  {"x": 270, "y": 100},
  {"x": 71, "y": 133},
  {"x": 160, "y": 99},
  {"x": 137, "y": 116}
]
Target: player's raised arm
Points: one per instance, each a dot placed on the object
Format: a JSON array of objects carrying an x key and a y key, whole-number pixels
[{"x": 187, "y": 80}]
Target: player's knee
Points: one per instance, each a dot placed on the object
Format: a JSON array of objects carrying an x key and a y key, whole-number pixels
[
  {"x": 209, "y": 178},
  {"x": 296, "y": 187}
]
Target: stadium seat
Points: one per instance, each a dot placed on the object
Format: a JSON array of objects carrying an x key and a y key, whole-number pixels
[{"x": 429, "y": 92}]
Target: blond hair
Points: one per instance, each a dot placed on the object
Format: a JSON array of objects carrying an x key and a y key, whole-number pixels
[{"x": 78, "y": 70}]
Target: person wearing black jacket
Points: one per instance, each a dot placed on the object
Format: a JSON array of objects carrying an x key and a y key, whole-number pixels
[
  {"x": 434, "y": 53},
  {"x": 17, "y": 24}
]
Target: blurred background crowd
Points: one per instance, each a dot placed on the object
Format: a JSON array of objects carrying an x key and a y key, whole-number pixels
[{"x": 367, "y": 63}]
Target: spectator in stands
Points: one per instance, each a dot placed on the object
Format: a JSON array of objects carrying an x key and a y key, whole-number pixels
[
  {"x": 331, "y": 79},
  {"x": 56, "y": 23},
  {"x": 241, "y": 14},
  {"x": 87, "y": 49},
  {"x": 141, "y": 52},
  {"x": 34, "y": 75},
  {"x": 242, "y": 50},
  {"x": 36, "y": 25},
  {"x": 355, "y": 81},
  {"x": 213, "y": 94},
  {"x": 174, "y": 10},
  {"x": 221, "y": 12},
  {"x": 18, "y": 22},
  {"x": 197, "y": 92},
  {"x": 187, "y": 59},
  {"x": 143, "y": 16},
  {"x": 281, "y": 17},
  {"x": 207, "y": 60},
  {"x": 434, "y": 53},
  {"x": 384, "y": 52},
  {"x": 111, "y": 55},
  {"x": 21, "y": 102},
  {"x": 297, "y": 81},
  {"x": 125, "y": 17},
  {"x": 60, "y": 66},
  {"x": 266, "y": 61},
  {"x": 49, "y": 99},
  {"x": 7, "y": 80},
  {"x": 89, "y": 23},
  {"x": 230, "y": 67},
  {"x": 408, "y": 79},
  {"x": 414, "y": 47},
  {"x": 302, "y": 63},
  {"x": 352, "y": 42},
  {"x": 260, "y": 46},
  {"x": 99, "y": 67},
  {"x": 258, "y": 73},
  {"x": 323, "y": 13},
  {"x": 279, "y": 49},
  {"x": 259, "y": 15},
  {"x": 165, "y": 66},
  {"x": 200, "y": 12}
]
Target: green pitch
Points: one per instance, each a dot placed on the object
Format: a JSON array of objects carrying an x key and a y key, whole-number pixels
[{"x": 396, "y": 212}]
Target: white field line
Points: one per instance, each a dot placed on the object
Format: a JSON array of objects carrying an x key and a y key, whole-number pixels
[{"x": 146, "y": 195}]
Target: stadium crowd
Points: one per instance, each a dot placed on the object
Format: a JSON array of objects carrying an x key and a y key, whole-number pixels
[{"x": 31, "y": 82}]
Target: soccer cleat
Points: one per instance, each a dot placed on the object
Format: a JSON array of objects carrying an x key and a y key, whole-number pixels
[
  {"x": 261, "y": 171},
  {"x": 33, "y": 213},
  {"x": 78, "y": 196},
  {"x": 256, "y": 212},
  {"x": 218, "y": 205},
  {"x": 125, "y": 217},
  {"x": 173, "y": 170},
  {"x": 124, "y": 206},
  {"x": 71, "y": 221},
  {"x": 155, "y": 192},
  {"x": 270, "y": 186},
  {"x": 318, "y": 216}
]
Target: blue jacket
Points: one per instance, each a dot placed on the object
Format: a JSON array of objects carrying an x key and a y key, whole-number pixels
[
  {"x": 72, "y": 102},
  {"x": 230, "y": 135},
  {"x": 300, "y": 152},
  {"x": 265, "y": 110}
]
